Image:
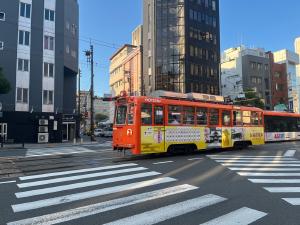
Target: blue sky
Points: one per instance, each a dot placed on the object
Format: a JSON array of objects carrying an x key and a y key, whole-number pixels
[{"x": 271, "y": 24}]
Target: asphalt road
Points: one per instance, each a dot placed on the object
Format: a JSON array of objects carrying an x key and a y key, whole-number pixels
[{"x": 91, "y": 184}]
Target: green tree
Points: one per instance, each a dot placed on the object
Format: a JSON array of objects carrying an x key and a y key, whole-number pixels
[
  {"x": 4, "y": 84},
  {"x": 100, "y": 117},
  {"x": 251, "y": 99}
]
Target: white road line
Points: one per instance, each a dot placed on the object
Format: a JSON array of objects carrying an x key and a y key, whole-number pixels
[
  {"x": 269, "y": 174},
  {"x": 260, "y": 159},
  {"x": 89, "y": 194},
  {"x": 170, "y": 211},
  {"x": 94, "y": 209},
  {"x": 290, "y": 153},
  {"x": 243, "y": 156},
  {"x": 165, "y": 162},
  {"x": 261, "y": 164},
  {"x": 275, "y": 181},
  {"x": 79, "y": 177},
  {"x": 8, "y": 182},
  {"x": 242, "y": 216},
  {"x": 292, "y": 201},
  {"x": 264, "y": 169},
  {"x": 283, "y": 189},
  {"x": 83, "y": 184},
  {"x": 46, "y": 175},
  {"x": 195, "y": 159},
  {"x": 257, "y": 161}
]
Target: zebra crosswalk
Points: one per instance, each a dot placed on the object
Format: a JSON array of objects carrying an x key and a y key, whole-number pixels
[
  {"x": 277, "y": 174},
  {"x": 38, "y": 152},
  {"x": 75, "y": 194}
]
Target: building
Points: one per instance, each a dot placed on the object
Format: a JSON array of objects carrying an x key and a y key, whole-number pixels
[
  {"x": 39, "y": 56},
  {"x": 291, "y": 60},
  {"x": 126, "y": 67},
  {"x": 243, "y": 69},
  {"x": 181, "y": 50},
  {"x": 297, "y": 45}
]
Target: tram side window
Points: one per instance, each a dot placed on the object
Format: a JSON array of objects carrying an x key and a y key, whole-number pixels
[
  {"x": 254, "y": 118},
  {"x": 226, "y": 118},
  {"x": 246, "y": 118},
  {"x": 174, "y": 115},
  {"x": 121, "y": 114},
  {"x": 237, "y": 118},
  {"x": 159, "y": 115},
  {"x": 146, "y": 114},
  {"x": 188, "y": 115},
  {"x": 201, "y": 116},
  {"x": 214, "y": 117},
  {"x": 130, "y": 114}
]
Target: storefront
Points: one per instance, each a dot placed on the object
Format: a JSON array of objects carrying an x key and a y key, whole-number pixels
[{"x": 68, "y": 128}]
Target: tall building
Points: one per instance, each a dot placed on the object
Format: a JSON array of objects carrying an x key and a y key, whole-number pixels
[
  {"x": 39, "y": 56},
  {"x": 244, "y": 69},
  {"x": 297, "y": 46},
  {"x": 181, "y": 50}
]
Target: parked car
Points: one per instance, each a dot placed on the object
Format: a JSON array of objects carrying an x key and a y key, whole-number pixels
[
  {"x": 98, "y": 132},
  {"x": 108, "y": 132}
]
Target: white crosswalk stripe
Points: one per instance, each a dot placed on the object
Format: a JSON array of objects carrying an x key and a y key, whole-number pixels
[
  {"x": 273, "y": 170},
  {"x": 89, "y": 185},
  {"x": 56, "y": 151}
]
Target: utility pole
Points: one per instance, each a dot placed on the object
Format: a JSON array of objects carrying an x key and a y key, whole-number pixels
[
  {"x": 90, "y": 57},
  {"x": 79, "y": 94}
]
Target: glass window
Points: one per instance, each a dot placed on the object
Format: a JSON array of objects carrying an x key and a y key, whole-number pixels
[
  {"x": 175, "y": 115},
  {"x": 201, "y": 116},
  {"x": 159, "y": 115},
  {"x": 20, "y": 64},
  {"x": 2, "y": 16},
  {"x": 121, "y": 114},
  {"x": 254, "y": 118},
  {"x": 50, "y": 100},
  {"x": 237, "y": 118},
  {"x": 21, "y": 37},
  {"x": 188, "y": 115},
  {"x": 51, "y": 70},
  {"x": 25, "y": 95},
  {"x": 26, "y": 65},
  {"x": 46, "y": 69},
  {"x": 214, "y": 117},
  {"x": 51, "y": 15},
  {"x": 27, "y": 38},
  {"x": 19, "y": 94},
  {"x": 246, "y": 118},
  {"x": 226, "y": 118},
  {"x": 1, "y": 45},
  {"x": 22, "y": 9},
  {"x": 45, "y": 97},
  {"x": 28, "y": 9},
  {"x": 146, "y": 114},
  {"x": 47, "y": 16},
  {"x": 130, "y": 114}
]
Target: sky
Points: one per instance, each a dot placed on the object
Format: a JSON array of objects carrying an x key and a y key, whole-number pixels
[{"x": 269, "y": 24}]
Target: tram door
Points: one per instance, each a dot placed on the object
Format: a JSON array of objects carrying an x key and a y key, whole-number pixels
[{"x": 3, "y": 131}]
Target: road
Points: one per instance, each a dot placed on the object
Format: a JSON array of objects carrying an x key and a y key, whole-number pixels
[{"x": 91, "y": 184}]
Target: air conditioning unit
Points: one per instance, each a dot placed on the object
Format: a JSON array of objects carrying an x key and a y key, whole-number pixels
[
  {"x": 43, "y": 122},
  {"x": 43, "y": 138},
  {"x": 43, "y": 129}
]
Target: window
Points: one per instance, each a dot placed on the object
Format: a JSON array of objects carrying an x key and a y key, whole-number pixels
[
  {"x": 201, "y": 116},
  {"x": 23, "y": 65},
  {"x": 48, "y": 70},
  {"x": 214, "y": 117},
  {"x": 254, "y": 118},
  {"x": 2, "y": 16},
  {"x": 48, "y": 42},
  {"x": 22, "y": 95},
  {"x": 226, "y": 118},
  {"x": 130, "y": 114},
  {"x": 121, "y": 114},
  {"x": 237, "y": 118},
  {"x": 48, "y": 97},
  {"x": 49, "y": 15},
  {"x": 277, "y": 75},
  {"x": 24, "y": 37},
  {"x": 159, "y": 115},
  {"x": 25, "y": 10},
  {"x": 246, "y": 118},
  {"x": 188, "y": 115},
  {"x": 68, "y": 49},
  {"x": 1, "y": 45},
  {"x": 175, "y": 115},
  {"x": 146, "y": 114},
  {"x": 214, "y": 7}
]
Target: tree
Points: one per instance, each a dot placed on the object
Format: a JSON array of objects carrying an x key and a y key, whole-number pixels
[
  {"x": 251, "y": 99},
  {"x": 4, "y": 84},
  {"x": 100, "y": 117}
]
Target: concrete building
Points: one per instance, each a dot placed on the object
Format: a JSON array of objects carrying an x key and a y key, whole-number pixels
[
  {"x": 243, "y": 69},
  {"x": 291, "y": 60},
  {"x": 181, "y": 50},
  {"x": 297, "y": 46},
  {"x": 39, "y": 56}
]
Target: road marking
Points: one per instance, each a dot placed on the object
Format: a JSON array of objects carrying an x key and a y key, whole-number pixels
[
  {"x": 8, "y": 182},
  {"x": 269, "y": 174},
  {"x": 275, "y": 181},
  {"x": 243, "y": 156},
  {"x": 292, "y": 201},
  {"x": 195, "y": 159},
  {"x": 283, "y": 189},
  {"x": 83, "y": 184},
  {"x": 89, "y": 194},
  {"x": 79, "y": 177},
  {"x": 257, "y": 161},
  {"x": 46, "y": 175},
  {"x": 242, "y": 216},
  {"x": 165, "y": 162},
  {"x": 170, "y": 211},
  {"x": 261, "y": 164},
  {"x": 290, "y": 153},
  {"x": 94, "y": 209},
  {"x": 261, "y": 159},
  {"x": 263, "y": 169}
]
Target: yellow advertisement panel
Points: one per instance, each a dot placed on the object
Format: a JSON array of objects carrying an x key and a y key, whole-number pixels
[
  {"x": 152, "y": 139},
  {"x": 255, "y": 135}
]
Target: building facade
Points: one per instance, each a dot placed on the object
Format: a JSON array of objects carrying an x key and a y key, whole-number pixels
[
  {"x": 181, "y": 50},
  {"x": 244, "y": 69},
  {"x": 39, "y": 56}
]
